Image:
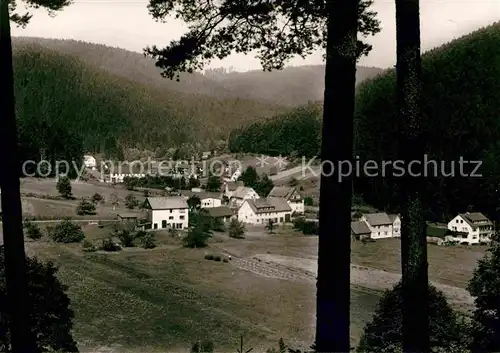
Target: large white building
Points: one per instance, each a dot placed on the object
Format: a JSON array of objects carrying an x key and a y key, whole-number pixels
[
  {"x": 260, "y": 211},
  {"x": 471, "y": 228},
  {"x": 382, "y": 225},
  {"x": 168, "y": 212},
  {"x": 291, "y": 195}
]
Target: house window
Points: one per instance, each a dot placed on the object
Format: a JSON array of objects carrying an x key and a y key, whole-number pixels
[
  {"x": 156, "y": 226},
  {"x": 181, "y": 217},
  {"x": 385, "y": 233},
  {"x": 164, "y": 224},
  {"x": 461, "y": 221},
  {"x": 170, "y": 217},
  {"x": 170, "y": 211}
]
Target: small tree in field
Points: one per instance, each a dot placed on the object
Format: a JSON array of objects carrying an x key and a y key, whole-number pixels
[
  {"x": 85, "y": 207},
  {"x": 64, "y": 187},
  {"x": 270, "y": 226},
  {"x": 200, "y": 230},
  {"x": 32, "y": 230},
  {"x": 236, "y": 229},
  {"x": 131, "y": 202},
  {"x": 384, "y": 333},
  {"x": 51, "y": 318},
  {"x": 97, "y": 198},
  {"x": 67, "y": 232},
  {"x": 115, "y": 201},
  {"x": 148, "y": 241}
]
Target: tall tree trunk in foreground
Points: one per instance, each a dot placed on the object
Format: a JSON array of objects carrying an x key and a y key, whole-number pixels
[
  {"x": 334, "y": 252},
  {"x": 15, "y": 260},
  {"x": 412, "y": 148}
]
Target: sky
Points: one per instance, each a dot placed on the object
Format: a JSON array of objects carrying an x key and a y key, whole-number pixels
[{"x": 127, "y": 24}]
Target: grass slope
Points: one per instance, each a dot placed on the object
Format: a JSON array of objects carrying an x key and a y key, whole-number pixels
[
  {"x": 107, "y": 110},
  {"x": 291, "y": 86}
]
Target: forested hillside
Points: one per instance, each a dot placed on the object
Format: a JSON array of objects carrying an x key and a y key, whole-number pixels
[
  {"x": 64, "y": 104},
  {"x": 461, "y": 91},
  {"x": 291, "y": 86}
]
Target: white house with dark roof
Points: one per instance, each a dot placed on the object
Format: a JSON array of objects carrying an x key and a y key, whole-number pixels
[
  {"x": 260, "y": 211},
  {"x": 89, "y": 161},
  {"x": 472, "y": 228},
  {"x": 291, "y": 195},
  {"x": 382, "y": 225},
  {"x": 168, "y": 212},
  {"x": 207, "y": 199}
]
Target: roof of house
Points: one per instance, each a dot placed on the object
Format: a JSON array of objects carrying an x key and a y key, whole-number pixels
[
  {"x": 202, "y": 195},
  {"x": 128, "y": 215},
  {"x": 360, "y": 228},
  {"x": 267, "y": 205},
  {"x": 282, "y": 191},
  {"x": 222, "y": 211},
  {"x": 165, "y": 203},
  {"x": 233, "y": 185},
  {"x": 378, "y": 219},
  {"x": 241, "y": 192},
  {"x": 393, "y": 217},
  {"x": 475, "y": 218}
]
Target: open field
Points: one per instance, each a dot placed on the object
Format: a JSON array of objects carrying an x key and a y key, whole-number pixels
[
  {"x": 165, "y": 299},
  {"x": 168, "y": 297}
]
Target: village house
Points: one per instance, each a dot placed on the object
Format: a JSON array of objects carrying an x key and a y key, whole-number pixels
[
  {"x": 241, "y": 194},
  {"x": 360, "y": 230},
  {"x": 224, "y": 213},
  {"x": 207, "y": 199},
  {"x": 471, "y": 228},
  {"x": 231, "y": 186},
  {"x": 168, "y": 212},
  {"x": 291, "y": 195},
  {"x": 260, "y": 211},
  {"x": 382, "y": 225},
  {"x": 89, "y": 162}
]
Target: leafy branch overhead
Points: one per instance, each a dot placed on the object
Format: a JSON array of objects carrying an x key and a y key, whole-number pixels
[
  {"x": 22, "y": 19},
  {"x": 276, "y": 29}
]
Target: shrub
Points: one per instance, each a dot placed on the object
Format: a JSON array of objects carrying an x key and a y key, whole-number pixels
[
  {"x": 87, "y": 246},
  {"x": 236, "y": 229},
  {"x": 209, "y": 257},
  {"x": 148, "y": 241},
  {"x": 140, "y": 234},
  {"x": 217, "y": 258},
  {"x": 173, "y": 232},
  {"x": 204, "y": 346},
  {"x": 384, "y": 332},
  {"x": 33, "y": 232},
  {"x": 310, "y": 228},
  {"x": 225, "y": 260},
  {"x": 131, "y": 202},
  {"x": 126, "y": 238},
  {"x": 85, "y": 207},
  {"x": 298, "y": 223},
  {"x": 109, "y": 245},
  {"x": 64, "y": 187},
  {"x": 308, "y": 201},
  {"x": 100, "y": 224},
  {"x": 97, "y": 198},
  {"x": 67, "y": 232}
]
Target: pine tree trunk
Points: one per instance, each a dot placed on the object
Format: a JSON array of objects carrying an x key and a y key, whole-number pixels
[
  {"x": 412, "y": 147},
  {"x": 15, "y": 259},
  {"x": 334, "y": 249}
]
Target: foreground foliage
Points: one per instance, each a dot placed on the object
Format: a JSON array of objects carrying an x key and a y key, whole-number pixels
[
  {"x": 52, "y": 319},
  {"x": 384, "y": 333}
]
